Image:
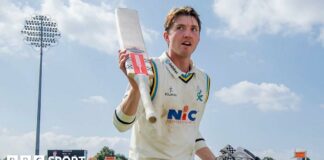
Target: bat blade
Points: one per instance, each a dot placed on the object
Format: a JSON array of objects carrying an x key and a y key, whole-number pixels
[
  {"x": 129, "y": 29},
  {"x": 138, "y": 64}
]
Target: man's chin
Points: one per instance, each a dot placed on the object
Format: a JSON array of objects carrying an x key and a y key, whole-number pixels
[{"x": 186, "y": 53}]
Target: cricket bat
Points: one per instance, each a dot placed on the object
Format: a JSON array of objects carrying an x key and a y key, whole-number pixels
[{"x": 138, "y": 65}]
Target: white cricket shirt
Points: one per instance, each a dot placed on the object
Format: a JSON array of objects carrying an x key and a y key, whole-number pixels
[{"x": 180, "y": 99}]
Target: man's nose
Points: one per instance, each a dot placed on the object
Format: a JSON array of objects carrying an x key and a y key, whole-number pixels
[{"x": 187, "y": 33}]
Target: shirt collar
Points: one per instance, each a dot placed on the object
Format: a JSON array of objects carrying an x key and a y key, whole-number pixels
[{"x": 174, "y": 70}]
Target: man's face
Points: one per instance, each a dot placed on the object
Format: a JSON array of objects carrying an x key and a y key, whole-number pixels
[{"x": 183, "y": 36}]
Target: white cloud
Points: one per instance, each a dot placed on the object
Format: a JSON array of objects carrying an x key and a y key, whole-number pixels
[
  {"x": 322, "y": 106},
  {"x": 95, "y": 100},
  {"x": 149, "y": 35},
  {"x": 321, "y": 36},
  {"x": 252, "y": 17},
  {"x": 4, "y": 131},
  {"x": 87, "y": 24},
  {"x": 11, "y": 23},
  {"x": 25, "y": 143},
  {"x": 265, "y": 96}
]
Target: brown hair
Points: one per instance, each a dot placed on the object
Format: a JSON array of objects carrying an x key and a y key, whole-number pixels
[{"x": 182, "y": 11}]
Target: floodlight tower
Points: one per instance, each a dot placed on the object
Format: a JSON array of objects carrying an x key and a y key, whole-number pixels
[{"x": 41, "y": 33}]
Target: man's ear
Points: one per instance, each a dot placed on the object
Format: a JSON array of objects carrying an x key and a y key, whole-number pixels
[{"x": 166, "y": 37}]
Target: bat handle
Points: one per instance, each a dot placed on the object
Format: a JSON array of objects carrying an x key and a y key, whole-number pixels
[{"x": 142, "y": 81}]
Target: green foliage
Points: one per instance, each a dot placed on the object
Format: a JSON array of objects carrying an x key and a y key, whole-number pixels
[
  {"x": 268, "y": 158},
  {"x": 106, "y": 151},
  {"x": 120, "y": 157}
]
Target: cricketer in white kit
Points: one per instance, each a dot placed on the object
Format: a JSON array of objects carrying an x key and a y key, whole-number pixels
[
  {"x": 179, "y": 93},
  {"x": 180, "y": 100}
]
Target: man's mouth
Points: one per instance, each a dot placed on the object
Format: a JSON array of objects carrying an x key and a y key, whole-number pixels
[{"x": 186, "y": 43}]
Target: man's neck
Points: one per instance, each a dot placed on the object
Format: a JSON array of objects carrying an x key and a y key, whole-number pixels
[{"x": 183, "y": 63}]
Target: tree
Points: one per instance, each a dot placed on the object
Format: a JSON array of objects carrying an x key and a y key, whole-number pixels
[
  {"x": 120, "y": 157},
  {"x": 105, "y": 151},
  {"x": 268, "y": 158}
]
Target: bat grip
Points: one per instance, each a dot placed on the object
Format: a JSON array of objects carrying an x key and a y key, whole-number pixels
[{"x": 142, "y": 81}]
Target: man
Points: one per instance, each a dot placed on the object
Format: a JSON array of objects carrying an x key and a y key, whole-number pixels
[{"x": 179, "y": 93}]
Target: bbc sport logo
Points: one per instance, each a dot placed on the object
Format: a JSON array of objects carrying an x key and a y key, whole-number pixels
[
  {"x": 42, "y": 157},
  {"x": 25, "y": 157}
]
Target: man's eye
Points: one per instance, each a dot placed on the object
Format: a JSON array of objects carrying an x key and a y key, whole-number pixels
[
  {"x": 194, "y": 29},
  {"x": 180, "y": 28}
]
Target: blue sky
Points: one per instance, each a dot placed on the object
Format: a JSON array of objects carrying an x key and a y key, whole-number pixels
[{"x": 265, "y": 60}]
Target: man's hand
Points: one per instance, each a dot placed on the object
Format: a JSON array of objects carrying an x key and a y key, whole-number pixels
[
  {"x": 122, "y": 60},
  {"x": 123, "y": 56},
  {"x": 130, "y": 102}
]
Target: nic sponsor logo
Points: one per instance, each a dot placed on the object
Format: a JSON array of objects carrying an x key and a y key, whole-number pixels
[{"x": 184, "y": 115}]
